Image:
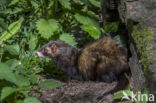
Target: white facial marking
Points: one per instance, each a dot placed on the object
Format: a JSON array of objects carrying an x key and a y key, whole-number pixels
[{"x": 40, "y": 54}]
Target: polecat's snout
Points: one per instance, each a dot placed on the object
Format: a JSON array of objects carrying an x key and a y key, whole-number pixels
[{"x": 39, "y": 54}]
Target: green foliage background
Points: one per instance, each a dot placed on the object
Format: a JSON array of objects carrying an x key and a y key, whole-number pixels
[{"x": 25, "y": 25}]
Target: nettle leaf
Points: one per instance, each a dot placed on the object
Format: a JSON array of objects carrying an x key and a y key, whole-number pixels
[
  {"x": 49, "y": 84},
  {"x": 22, "y": 81},
  {"x": 65, "y": 3},
  {"x": 95, "y": 3},
  {"x": 68, "y": 38},
  {"x": 31, "y": 100},
  {"x": 12, "y": 63},
  {"x": 13, "y": 49},
  {"x": 86, "y": 20},
  {"x": 13, "y": 29},
  {"x": 47, "y": 27},
  {"x": 92, "y": 30},
  {"x": 111, "y": 28},
  {"x": 33, "y": 42},
  {"x": 6, "y": 73},
  {"x": 33, "y": 78},
  {"x": 6, "y": 91}
]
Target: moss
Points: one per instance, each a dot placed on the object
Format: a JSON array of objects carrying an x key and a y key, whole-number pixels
[{"x": 143, "y": 38}]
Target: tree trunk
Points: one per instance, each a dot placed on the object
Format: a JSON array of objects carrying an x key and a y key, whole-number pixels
[{"x": 139, "y": 18}]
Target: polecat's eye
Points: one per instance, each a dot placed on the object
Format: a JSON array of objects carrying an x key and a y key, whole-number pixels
[{"x": 43, "y": 50}]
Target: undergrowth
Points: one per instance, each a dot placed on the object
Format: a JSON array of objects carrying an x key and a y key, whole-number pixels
[{"x": 25, "y": 25}]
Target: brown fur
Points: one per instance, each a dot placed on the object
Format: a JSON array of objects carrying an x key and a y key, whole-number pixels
[{"x": 104, "y": 59}]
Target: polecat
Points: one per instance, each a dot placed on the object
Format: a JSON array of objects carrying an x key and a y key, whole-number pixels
[{"x": 104, "y": 59}]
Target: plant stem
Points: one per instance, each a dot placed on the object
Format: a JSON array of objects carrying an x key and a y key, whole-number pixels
[
  {"x": 1, "y": 54},
  {"x": 55, "y": 6}
]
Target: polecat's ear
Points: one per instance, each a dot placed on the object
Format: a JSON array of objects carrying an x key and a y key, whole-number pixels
[{"x": 54, "y": 48}]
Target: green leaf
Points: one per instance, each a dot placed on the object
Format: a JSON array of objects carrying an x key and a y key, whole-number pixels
[
  {"x": 51, "y": 3},
  {"x": 25, "y": 90},
  {"x": 22, "y": 81},
  {"x": 119, "y": 94},
  {"x": 67, "y": 38},
  {"x": 16, "y": 10},
  {"x": 6, "y": 73},
  {"x": 3, "y": 24},
  {"x": 13, "y": 28},
  {"x": 95, "y": 3},
  {"x": 92, "y": 30},
  {"x": 31, "y": 100},
  {"x": 6, "y": 91},
  {"x": 13, "y": 11},
  {"x": 33, "y": 78},
  {"x": 13, "y": 49},
  {"x": 117, "y": 38},
  {"x": 20, "y": 101},
  {"x": 85, "y": 1},
  {"x": 93, "y": 15},
  {"x": 86, "y": 20},
  {"x": 49, "y": 84},
  {"x": 65, "y": 3},
  {"x": 47, "y": 27},
  {"x": 112, "y": 27},
  {"x": 6, "y": 11},
  {"x": 12, "y": 63},
  {"x": 0, "y": 42},
  {"x": 33, "y": 42},
  {"x": 34, "y": 4},
  {"x": 13, "y": 2}
]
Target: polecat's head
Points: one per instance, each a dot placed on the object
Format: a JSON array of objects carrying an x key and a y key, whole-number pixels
[{"x": 52, "y": 49}]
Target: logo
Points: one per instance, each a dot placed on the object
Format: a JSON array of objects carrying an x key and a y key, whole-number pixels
[
  {"x": 125, "y": 96},
  {"x": 138, "y": 97}
]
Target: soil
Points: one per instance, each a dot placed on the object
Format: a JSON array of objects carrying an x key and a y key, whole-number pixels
[{"x": 80, "y": 92}]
